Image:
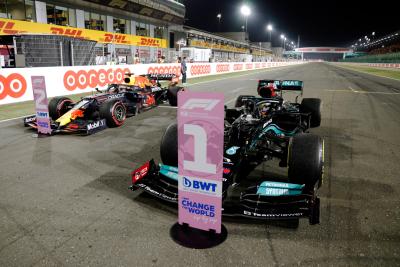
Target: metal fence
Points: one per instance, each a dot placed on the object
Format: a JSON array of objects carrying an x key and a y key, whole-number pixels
[
  {"x": 53, "y": 50},
  {"x": 382, "y": 58}
]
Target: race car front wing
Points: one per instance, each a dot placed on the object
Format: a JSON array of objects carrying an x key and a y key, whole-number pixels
[
  {"x": 269, "y": 200},
  {"x": 77, "y": 126}
]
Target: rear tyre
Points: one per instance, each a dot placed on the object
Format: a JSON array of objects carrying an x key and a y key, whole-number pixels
[
  {"x": 169, "y": 145},
  {"x": 58, "y": 106},
  {"x": 313, "y": 106},
  {"x": 114, "y": 112},
  {"x": 239, "y": 100},
  {"x": 172, "y": 95},
  {"x": 305, "y": 160}
]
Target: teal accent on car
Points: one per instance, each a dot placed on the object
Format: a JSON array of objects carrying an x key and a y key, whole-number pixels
[
  {"x": 271, "y": 128},
  {"x": 168, "y": 168},
  {"x": 232, "y": 150},
  {"x": 277, "y": 130},
  {"x": 169, "y": 174},
  {"x": 274, "y": 189},
  {"x": 282, "y": 185},
  {"x": 169, "y": 171}
]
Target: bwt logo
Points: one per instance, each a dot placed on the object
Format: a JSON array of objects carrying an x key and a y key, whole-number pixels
[
  {"x": 201, "y": 185},
  {"x": 13, "y": 85},
  {"x": 93, "y": 78},
  {"x": 206, "y": 104}
]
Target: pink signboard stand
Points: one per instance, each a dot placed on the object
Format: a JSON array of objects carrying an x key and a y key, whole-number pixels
[
  {"x": 200, "y": 164},
  {"x": 41, "y": 106}
]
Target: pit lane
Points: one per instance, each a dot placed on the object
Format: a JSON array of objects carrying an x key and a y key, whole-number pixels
[{"x": 64, "y": 200}]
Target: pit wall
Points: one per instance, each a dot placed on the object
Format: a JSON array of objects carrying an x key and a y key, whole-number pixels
[{"x": 15, "y": 84}]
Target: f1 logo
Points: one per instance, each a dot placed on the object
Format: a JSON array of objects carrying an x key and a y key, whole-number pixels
[{"x": 206, "y": 104}]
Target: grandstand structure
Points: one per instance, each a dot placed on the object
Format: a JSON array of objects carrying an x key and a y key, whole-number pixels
[
  {"x": 125, "y": 31},
  {"x": 372, "y": 49}
]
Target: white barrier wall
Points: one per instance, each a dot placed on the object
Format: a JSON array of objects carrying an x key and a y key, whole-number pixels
[
  {"x": 375, "y": 65},
  {"x": 15, "y": 84}
]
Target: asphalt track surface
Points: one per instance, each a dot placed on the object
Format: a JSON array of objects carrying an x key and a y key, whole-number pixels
[{"x": 64, "y": 200}]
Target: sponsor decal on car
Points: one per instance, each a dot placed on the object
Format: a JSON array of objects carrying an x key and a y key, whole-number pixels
[
  {"x": 116, "y": 96},
  {"x": 30, "y": 119},
  {"x": 156, "y": 89},
  {"x": 232, "y": 150},
  {"x": 272, "y": 215},
  {"x": 140, "y": 172},
  {"x": 96, "y": 126}
]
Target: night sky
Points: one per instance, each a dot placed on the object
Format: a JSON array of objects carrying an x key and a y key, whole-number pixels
[{"x": 317, "y": 22}]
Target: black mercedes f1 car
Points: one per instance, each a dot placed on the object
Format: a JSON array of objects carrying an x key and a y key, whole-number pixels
[
  {"x": 258, "y": 129},
  {"x": 111, "y": 107}
]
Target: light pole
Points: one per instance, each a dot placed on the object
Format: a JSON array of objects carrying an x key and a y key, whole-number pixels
[
  {"x": 284, "y": 43},
  {"x": 245, "y": 10},
  {"x": 219, "y": 16},
  {"x": 269, "y": 28},
  {"x": 282, "y": 37}
]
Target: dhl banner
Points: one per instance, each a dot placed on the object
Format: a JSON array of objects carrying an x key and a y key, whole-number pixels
[
  {"x": 15, "y": 85},
  {"x": 11, "y": 27}
]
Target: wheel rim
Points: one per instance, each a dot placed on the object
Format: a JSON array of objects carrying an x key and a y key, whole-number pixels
[{"x": 119, "y": 113}]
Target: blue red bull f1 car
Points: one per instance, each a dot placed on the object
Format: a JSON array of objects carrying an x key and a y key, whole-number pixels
[{"x": 111, "y": 107}]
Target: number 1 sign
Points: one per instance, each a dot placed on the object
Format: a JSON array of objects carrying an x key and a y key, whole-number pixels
[{"x": 200, "y": 159}]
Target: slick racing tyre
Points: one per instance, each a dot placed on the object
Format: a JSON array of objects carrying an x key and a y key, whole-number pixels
[
  {"x": 114, "y": 112},
  {"x": 169, "y": 146},
  {"x": 239, "y": 100},
  {"x": 172, "y": 95},
  {"x": 313, "y": 106},
  {"x": 306, "y": 160},
  {"x": 58, "y": 106}
]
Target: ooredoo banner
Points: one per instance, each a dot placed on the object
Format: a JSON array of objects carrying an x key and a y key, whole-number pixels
[
  {"x": 83, "y": 79},
  {"x": 200, "y": 159}
]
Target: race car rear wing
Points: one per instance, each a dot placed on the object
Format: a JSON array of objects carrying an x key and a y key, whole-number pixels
[{"x": 283, "y": 85}]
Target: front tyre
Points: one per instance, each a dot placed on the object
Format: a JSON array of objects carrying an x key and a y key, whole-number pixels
[
  {"x": 172, "y": 95},
  {"x": 169, "y": 145},
  {"x": 114, "y": 112},
  {"x": 58, "y": 106},
  {"x": 306, "y": 160}
]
